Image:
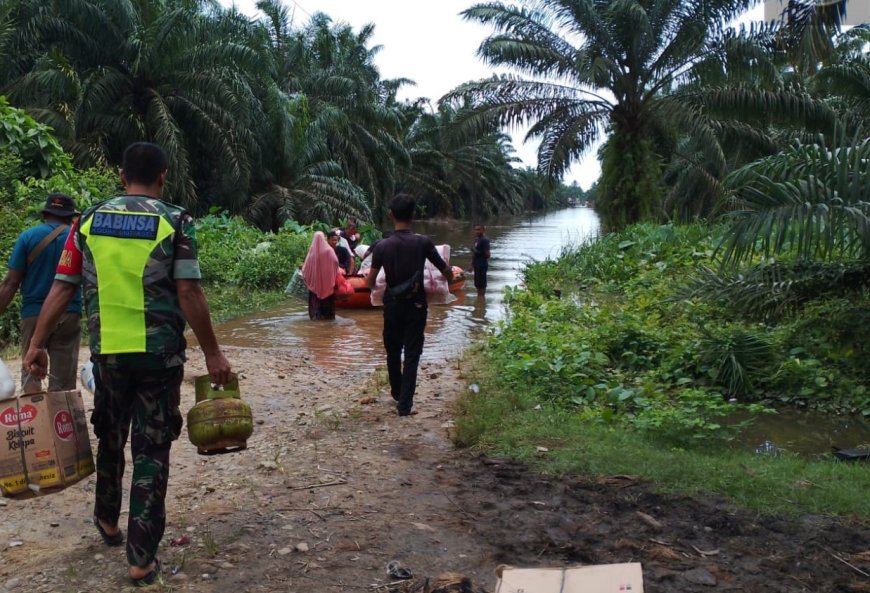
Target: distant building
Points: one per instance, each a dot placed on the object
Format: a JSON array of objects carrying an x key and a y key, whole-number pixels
[{"x": 857, "y": 11}]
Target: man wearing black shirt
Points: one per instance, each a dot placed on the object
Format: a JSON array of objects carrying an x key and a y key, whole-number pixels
[{"x": 402, "y": 256}]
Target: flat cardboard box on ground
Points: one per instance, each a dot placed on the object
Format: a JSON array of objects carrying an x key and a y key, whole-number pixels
[
  {"x": 597, "y": 578},
  {"x": 45, "y": 444}
]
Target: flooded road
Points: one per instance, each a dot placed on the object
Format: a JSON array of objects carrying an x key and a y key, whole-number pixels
[{"x": 353, "y": 340}]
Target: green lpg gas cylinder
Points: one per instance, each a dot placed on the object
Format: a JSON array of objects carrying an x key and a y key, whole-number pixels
[{"x": 220, "y": 421}]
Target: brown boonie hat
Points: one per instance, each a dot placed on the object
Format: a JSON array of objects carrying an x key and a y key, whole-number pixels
[{"x": 60, "y": 205}]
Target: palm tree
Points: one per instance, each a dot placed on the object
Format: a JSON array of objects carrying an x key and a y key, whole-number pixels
[
  {"x": 303, "y": 182},
  {"x": 455, "y": 174},
  {"x": 844, "y": 80},
  {"x": 799, "y": 230},
  {"x": 596, "y": 68},
  {"x": 811, "y": 201},
  {"x": 807, "y": 31},
  {"x": 18, "y": 34},
  {"x": 798, "y": 211},
  {"x": 332, "y": 66},
  {"x": 111, "y": 72},
  {"x": 542, "y": 193},
  {"x": 771, "y": 85}
]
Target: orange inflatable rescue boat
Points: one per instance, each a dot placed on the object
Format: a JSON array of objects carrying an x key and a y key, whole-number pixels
[{"x": 361, "y": 297}]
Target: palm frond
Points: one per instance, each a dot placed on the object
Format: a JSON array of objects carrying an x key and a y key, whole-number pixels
[
  {"x": 809, "y": 200},
  {"x": 770, "y": 290}
]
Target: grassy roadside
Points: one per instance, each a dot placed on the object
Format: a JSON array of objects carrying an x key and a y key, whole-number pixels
[
  {"x": 229, "y": 302},
  {"x": 499, "y": 420},
  {"x": 622, "y": 356}
]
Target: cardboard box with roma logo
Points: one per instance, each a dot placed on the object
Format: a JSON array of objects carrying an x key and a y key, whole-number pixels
[{"x": 44, "y": 442}]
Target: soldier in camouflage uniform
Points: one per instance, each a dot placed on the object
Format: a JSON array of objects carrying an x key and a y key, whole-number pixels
[{"x": 135, "y": 257}]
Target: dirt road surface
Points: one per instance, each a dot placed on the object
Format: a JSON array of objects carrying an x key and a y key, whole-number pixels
[{"x": 330, "y": 490}]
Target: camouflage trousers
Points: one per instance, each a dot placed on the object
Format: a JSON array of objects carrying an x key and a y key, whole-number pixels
[{"x": 146, "y": 400}]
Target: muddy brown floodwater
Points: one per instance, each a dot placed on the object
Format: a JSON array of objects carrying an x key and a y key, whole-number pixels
[
  {"x": 354, "y": 339},
  {"x": 331, "y": 489}
]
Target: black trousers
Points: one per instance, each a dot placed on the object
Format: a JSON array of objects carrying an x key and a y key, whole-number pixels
[
  {"x": 404, "y": 324},
  {"x": 480, "y": 274}
]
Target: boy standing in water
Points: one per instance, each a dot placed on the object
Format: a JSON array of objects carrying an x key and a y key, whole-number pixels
[
  {"x": 403, "y": 255},
  {"x": 480, "y": 259}
]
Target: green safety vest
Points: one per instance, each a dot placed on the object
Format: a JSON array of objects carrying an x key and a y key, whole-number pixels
[{"x": 122, "y": 246}]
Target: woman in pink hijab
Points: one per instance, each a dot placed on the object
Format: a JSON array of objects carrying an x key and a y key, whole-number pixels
[{"x": 319, "y": 272}]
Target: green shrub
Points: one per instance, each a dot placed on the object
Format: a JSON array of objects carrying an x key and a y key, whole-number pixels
[
  {"x": 833, "y": 330},
  {"x": 270, "y": 264},
  {"x": 694, "y": 416},
  {"x": 87, "y": 187},
  {"x": 806, "y": 382},
  {"x": 233, "y": 252},
  {"x": 605, "y": 332},
  {"x": 40, "y": 153},
  {"x": 735, "y": 358}
]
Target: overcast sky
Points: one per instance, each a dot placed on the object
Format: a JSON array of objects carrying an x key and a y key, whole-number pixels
[{"x": 428, "y": 42}]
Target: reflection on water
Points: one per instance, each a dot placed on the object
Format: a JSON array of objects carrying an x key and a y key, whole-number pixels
[
  {"x": 802, "y": 432},
  {"x": 768, "y": 448},
  {"x": 354, "y": 340}
]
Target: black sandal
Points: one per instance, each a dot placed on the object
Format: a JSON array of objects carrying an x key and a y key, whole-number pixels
[
  {"x": 150, "y": 578},
  {"x": 110, "y": 540}
]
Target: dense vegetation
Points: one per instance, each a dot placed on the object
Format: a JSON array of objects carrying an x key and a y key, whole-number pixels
[
  {"x": 282, "y": 123},
  {"x": 616, "y": 328},
  {"x": 639, "y": 352},
  {"x": 612, "y": 363},
  {"x": 263, "y": 117},
  {"x": 271, "y": 127},
  {"x": 243, "y": 267},
  {"x": 705, "y": 122},
  {"x": 681, "y": 97}
]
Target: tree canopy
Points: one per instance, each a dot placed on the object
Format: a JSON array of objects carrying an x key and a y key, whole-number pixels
[{"x": 258, "y": 116}]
